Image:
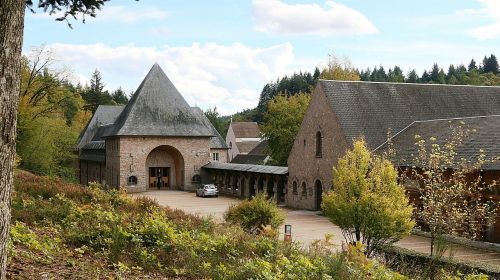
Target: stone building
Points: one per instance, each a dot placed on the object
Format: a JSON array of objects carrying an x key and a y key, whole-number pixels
[
  {"x": 156, "y": 141},
  {"x": 342, "y": 111},
  {"x": 245, "y": 143}
]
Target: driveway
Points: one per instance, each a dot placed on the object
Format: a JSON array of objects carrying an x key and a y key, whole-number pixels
[{"x": 307, "y": 226}]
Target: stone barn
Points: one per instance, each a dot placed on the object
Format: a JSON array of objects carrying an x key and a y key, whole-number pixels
[
  {"x": 156, "y": 141},
  {"x": 341, "y": 111}
]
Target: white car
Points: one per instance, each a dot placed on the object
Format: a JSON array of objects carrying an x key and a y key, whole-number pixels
[{"x": 207, "y": 190}]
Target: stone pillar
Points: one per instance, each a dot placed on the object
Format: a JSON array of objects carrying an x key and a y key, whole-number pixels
[
  {"x": 275, "y": 189},
  {"x": 256, "y": 184}
]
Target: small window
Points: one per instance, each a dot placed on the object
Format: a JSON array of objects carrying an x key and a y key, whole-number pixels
[
  {"x": 215, "y": 156},
  {"x": 304, "y": 189},
  {"x": 196, "y": 178},
  {"x": 319, "y": 144},
  {"x": 304, "y": 142},
  {"x": 295, "y": 187},
  {"x": 230, "y": 145},
  {"x": 132, "y": 180}
]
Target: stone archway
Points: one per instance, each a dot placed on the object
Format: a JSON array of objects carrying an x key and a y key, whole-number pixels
[{"x": 165, "y": 168}]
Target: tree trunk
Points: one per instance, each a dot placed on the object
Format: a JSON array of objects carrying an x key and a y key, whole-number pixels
[{"x": 11, "y": 37}]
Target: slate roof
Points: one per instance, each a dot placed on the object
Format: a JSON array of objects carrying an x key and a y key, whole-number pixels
[
  {"x": 370, "y": 109},
  {"x": 158, "y": 109},
  {"x": 93, "y": 155},
  {"x": 216, "y": 142},
  {"x": 246, "y": 129},
  {"x": 104, "y": 115},
  {"x": 265, "y": 169},
  {"x": 246, "y": 146},
  {"x": 485, "y": 137},
  {"x": 249, "y": 159},
  {"x": 260, "y": 149},
  {"x": 95, "y": 145}
]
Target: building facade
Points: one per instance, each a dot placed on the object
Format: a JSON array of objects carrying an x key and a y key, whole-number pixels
[
  {"x": 157, "y": 141},
  {"x": 245, "y": 143},
  {"x": 342, "y": 111}
]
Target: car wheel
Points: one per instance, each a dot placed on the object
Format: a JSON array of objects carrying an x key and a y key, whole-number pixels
[
  {"x": 203, "y": 195},
  {"x": 216, "y": 195}
]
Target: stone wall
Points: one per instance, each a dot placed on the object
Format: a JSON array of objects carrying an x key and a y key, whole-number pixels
[
  {"x": 305, "y": 168},
  {"x": 133, "y": 153}
]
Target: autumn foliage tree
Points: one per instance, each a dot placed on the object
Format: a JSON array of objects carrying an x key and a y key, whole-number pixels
[
  {"x": 452, "y": 190},
  {"x": 366, "y": 201},
  {"x": 282, "y": 122}
]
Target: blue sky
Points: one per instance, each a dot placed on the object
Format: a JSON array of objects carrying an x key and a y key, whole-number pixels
[{"x": 221, "y": 53}]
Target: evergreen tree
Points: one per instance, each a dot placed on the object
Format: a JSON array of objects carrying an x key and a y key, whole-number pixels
[
  {"x": 95, "y": 94},
  {"x": 451, "y": 71},
  {"x": 412, "y": 77},
  {"x": 490, "y": 64},
  {"x": 317, "y": 73},
  {"x": 435, "y": 73},
  {"x": 426, "y": 77},
  {"x": 119, "y": 96},
  {"x": 441, "y": 77},
  {"x": 396, "y": 75},
  {"x": 365, "y": 75},
  {"x": 472, "y": 65}
]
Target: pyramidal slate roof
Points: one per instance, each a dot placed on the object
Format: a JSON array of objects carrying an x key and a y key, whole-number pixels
[
  {"x": 216, "y": 142},
  {"x": 158, "y": 109},
  {"x": 371, "y": 109}
]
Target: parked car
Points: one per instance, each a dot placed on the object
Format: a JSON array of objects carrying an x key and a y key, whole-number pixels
[{"x": 207, "y": 190}]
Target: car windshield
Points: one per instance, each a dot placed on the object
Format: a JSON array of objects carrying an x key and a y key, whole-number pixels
[{"x": 210, "y": 187}]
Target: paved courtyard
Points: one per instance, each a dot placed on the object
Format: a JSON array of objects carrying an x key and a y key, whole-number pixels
[{"x": 307, "y": 226}]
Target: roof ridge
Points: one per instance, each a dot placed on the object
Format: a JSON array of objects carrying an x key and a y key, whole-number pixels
[{"x": 398, "y": 83}]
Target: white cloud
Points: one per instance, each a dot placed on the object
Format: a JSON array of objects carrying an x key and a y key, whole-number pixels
[
  {"x": 227, "y": 76},
  {"x": 275, "y": 16},
  {"x": 490, "y": 10},
  {"x": 121, "y": 14}
]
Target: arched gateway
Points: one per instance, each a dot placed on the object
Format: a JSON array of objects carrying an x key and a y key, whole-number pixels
[{"x": 165, "y": 168}]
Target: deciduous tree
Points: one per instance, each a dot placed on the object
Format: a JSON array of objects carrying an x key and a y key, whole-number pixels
[
  {"x": 11, "y": 37},
  {"x": 282, "y": 122},
  {"x": 451, "y": 188},
  {"x": 366, "y": 201}
]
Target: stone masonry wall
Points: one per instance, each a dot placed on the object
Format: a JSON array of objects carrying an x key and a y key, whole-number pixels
[
  {"x": 303, "y": 165},
  {"x": 135, "y": 150}
]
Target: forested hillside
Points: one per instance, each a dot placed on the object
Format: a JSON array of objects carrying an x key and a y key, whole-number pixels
[
  {"x": 52, "y": 113},
  {"x": 485, "y": 73}
]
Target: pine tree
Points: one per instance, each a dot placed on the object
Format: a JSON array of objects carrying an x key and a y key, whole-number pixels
[
  {"x": 396, "y": 75},
  {"x": 472, "y": 65},
  {"x": 119, "y": 96},
  {"x": 95, "y": 94},
  {"x": 435, "y": 73},
  {"x": 490, "y": 64},
  {"x": 426, "y": 77},
  {"x": 412, "y": 77}
]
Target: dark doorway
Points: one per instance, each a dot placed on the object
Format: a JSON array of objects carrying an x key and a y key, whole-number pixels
[
  {"x": 159, "y": 177},
  {"x": 319, "y": 194},
  {"x": 281, "y": 191}
]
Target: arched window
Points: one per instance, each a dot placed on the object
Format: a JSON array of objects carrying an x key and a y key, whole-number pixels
[
  {"x": 319, "y": 144},
  {"x": 304, "y": 188},
  {"x": 196, "y": 178},
  {"x": 295, "y": 187},
  {"x": 230, "y": 145},
  {"x": 132, "y": 180}
]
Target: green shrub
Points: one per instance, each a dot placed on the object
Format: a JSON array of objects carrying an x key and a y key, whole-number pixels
[{"x": 252, "y": 215}]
